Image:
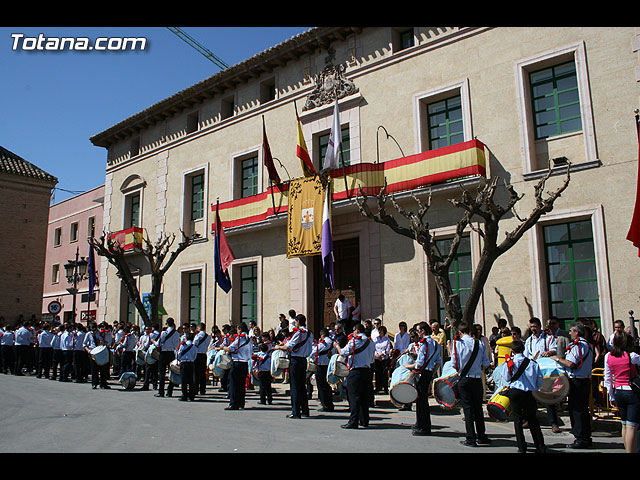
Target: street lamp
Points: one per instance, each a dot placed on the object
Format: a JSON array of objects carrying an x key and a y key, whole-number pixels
[{"x": 75, "y": 271}]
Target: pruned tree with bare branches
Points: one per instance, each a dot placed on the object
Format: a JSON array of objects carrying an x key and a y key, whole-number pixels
[
  {"x": 158, "y": 255},
  {"x": 482, "y": 213}
]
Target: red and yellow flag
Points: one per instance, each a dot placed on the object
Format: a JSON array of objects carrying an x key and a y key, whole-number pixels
[{"x": 302, "y": 152}]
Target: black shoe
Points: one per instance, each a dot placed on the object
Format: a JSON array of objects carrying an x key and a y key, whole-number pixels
[
  {"x": 159, "y": 395},
  {"x": 144, "y": 389},
  {"x": 231, "y": 407},
  {"x": 421, "y": 432},
  {"x": 93, "y": 387},
  {"x": 483, "y": 441},
  {"x": 183, "y": 399},
  {"x": 349, "y": 426},
  {"x": 579, "y": 445},
  {"x": 291, "y": 415},
  {"x": 469, "y": 443}
]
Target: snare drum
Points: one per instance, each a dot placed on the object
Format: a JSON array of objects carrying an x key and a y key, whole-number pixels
[
  {"x": 499, "y": 406},
  {"x": 221, "y": 363},
  {"x": 337, "y": 370},
  {"x": 128, "y": 380},
  {"x": 101, "y": 355},
  {"x": 443, "y": 386},
  {"x": 140, "y": 357},
  {"x": 174, "y": 366},
  {"x": 279, "y": 363},
  {"x": 174, "y": 377},
  {"x": 152, "y": 355},
  {"x": 403, "y": 384},
  {"x": 311, "y": 366}
]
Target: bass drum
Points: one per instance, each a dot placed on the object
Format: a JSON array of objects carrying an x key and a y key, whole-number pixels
[
  {"x": 221, "y": 363},
  {"x": 555, "y": 383},
  {"x": 101, "y": 355},
  {"x": 337, "y": 370},
  {"x": 152, "y": 355},
  {"x": 279, "y": 363},
  {"x": 403, "y": 383},
  {"x": 444, "y": 390},
  {"x": 140, "y": 357}
]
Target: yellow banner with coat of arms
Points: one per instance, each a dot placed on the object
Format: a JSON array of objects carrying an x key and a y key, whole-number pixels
[{"x": 304, "y": 227}]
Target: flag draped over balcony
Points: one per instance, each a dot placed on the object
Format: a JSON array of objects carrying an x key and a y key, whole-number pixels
[
  {"x": 634, "y": 230},
  {"x": 223, "y": 256}
]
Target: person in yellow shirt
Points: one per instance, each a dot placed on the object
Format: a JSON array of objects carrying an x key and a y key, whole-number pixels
[{"x": 439, "y": 335}]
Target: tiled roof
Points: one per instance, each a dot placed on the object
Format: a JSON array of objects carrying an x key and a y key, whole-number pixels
[{"x": 15, "y": 165}]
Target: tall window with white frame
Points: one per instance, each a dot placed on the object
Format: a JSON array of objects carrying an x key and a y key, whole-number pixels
[
  {"x": 197, "y": 196},
  {"x": 571, "y": 271},
  {"x": 195, "y": 297},
  {"x": 555, "y": 100},
  {"x": 460, "y": 272},
  {"x": 249, "y": 177},
  {"x": 345, "y": 151},
  {"x": 248, "y": 293},
  {"x": 132, "y": 210},
  {"x": 444, "y": 120}
]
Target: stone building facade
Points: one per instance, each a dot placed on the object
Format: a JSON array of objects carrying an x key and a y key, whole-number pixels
[{"x": 458, "y": 105}]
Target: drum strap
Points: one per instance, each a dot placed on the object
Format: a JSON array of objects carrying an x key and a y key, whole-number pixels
[
  {"x": 300, "y": 344},
  {"x": 521, "y": 369},
  {"x": 474, "y": 354}
]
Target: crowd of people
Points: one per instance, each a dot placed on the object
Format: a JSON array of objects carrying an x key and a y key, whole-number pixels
[{"x": 64, "y": 352}]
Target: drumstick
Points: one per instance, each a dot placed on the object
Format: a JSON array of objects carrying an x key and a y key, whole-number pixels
[{"x": 536, "y": 355}]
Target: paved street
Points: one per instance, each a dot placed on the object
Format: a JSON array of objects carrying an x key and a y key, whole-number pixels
[{"x": 42, "y": 415}]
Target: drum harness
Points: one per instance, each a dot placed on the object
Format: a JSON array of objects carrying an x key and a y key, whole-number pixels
[
  {"x": 519, "y": 372},
  {"x": 358, "y": 350},
  {"x": 424, "y": 340}
]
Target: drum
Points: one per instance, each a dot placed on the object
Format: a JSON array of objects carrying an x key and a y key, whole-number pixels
[
  {"x": 221, "y": 363},
  {"x": 152, "y": 355},
  {"x": 311, "y": 366},
  {"x": 337, "y": 370},
  {"x": 140, "y": 357},
  {"x": 555, "y": 383},
  {"x": 128, "y": 380},
  {"x": 279, "y": 363},
  {"x": 101, "y": 355},
  {"x": 403, "y": 383},
  {"x": 211, "y": 355},
  {"x": 443, "y": 386},
  {"x": 499, "y": 406},
  {"x": 174, "y": 366},
  {"x": 174, "y": 377}
]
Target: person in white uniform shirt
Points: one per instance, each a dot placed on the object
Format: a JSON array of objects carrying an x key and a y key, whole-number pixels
[
  {"x": 23, "y": 340},
  {"x": 201, "y": 342},
  {"x": 341, "y": 310},
  {"x": 240, "y": 349},
  {"x": 299, "y": 346},
  {"x": 45, "y": 338},
  {"x": 168, "y": 342},
  {"x": 360, "y": 352}
]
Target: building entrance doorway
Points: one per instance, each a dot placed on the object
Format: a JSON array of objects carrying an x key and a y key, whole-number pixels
[{"x": 347, "y": 280}]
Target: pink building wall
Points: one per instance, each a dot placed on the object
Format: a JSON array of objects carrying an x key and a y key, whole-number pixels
[{"x": 78, "y": 209}]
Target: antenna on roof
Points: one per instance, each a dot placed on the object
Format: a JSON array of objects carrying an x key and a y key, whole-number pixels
[{"x": 194, "y": 44}]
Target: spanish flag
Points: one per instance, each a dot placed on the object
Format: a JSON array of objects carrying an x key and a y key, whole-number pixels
[{"x": 302, "y": 152}]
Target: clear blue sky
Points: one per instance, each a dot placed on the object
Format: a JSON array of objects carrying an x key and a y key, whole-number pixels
[{"x": 54, "y": 101}]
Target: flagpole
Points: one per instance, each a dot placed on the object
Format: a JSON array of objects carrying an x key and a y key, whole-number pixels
[
  {"x": 215, "y": 280},
  {"x": 91, "y": 280},
  {"x": 339, "y": 132}
]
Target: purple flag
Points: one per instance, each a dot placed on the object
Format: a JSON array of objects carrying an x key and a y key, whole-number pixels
[{"x": 326, "y": 242}]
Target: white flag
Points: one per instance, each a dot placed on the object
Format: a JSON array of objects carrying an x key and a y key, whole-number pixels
[{"x": 335, "y": 139}]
